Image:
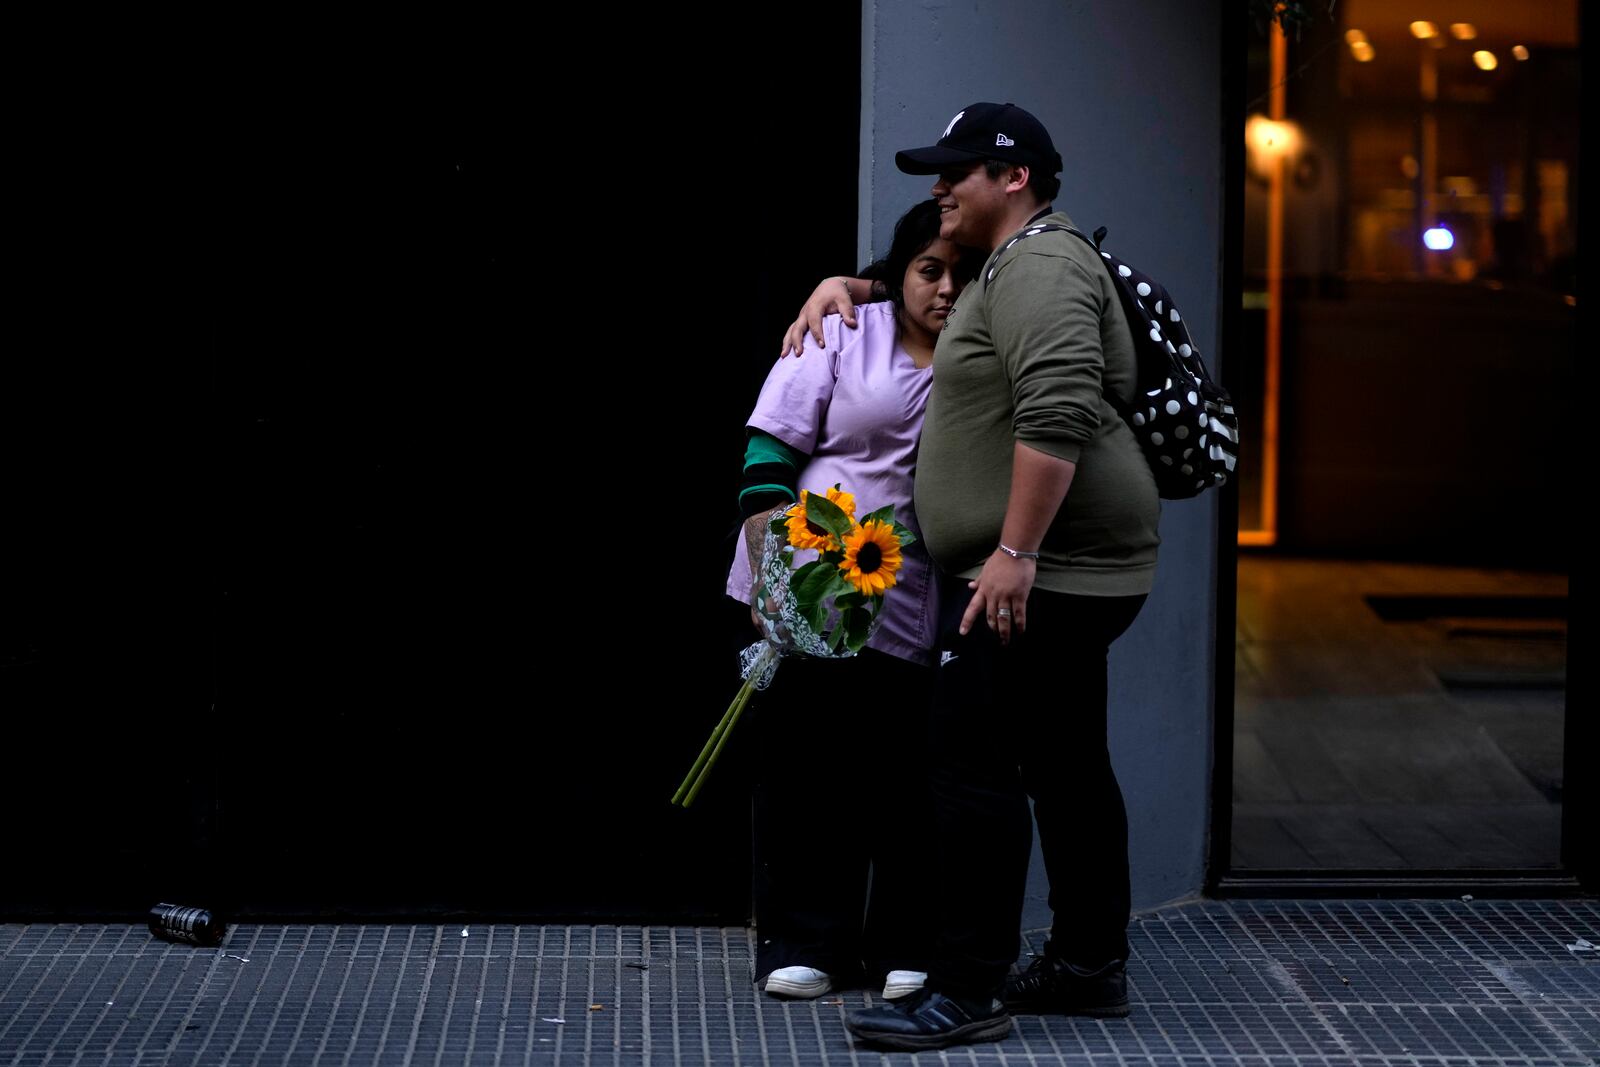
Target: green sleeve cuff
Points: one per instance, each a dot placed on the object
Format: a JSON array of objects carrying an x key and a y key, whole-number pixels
[
  {"x": 771, "y": 469},
  {"x": 1054, "y": 446},
  {"x": 765, "y": 448}
]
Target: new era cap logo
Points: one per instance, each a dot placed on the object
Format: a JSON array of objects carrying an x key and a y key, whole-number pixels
[
  {"x": 1001, "y": 140},
  {"x": 952, "y": 125}
]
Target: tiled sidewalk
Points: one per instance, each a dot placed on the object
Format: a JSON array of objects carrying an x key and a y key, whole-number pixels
[{"x": 1259, "y": 982}]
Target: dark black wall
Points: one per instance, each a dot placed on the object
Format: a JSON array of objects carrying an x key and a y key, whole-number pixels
[{"x": 371, "y": 564}]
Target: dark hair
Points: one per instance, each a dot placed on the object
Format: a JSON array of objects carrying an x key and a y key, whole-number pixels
[
  {"x": 1045, "y": 186},
  {"x": 916, "y": 230}
]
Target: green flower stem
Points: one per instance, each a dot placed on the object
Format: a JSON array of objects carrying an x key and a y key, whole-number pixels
[
  {"x": 713, "y": 746},
  {"x": 721, "y": 737},
  {"x": 711, "y": 743}
]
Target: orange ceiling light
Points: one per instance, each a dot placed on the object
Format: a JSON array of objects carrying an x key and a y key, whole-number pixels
[
  {"x": 1485, "y": 59},
  {"x": 1463, "y": 31},
  {"x": 1362, "y": 51},
  {"x": 1520, "y": 51},
  {"x": 1422, "y": 31}
]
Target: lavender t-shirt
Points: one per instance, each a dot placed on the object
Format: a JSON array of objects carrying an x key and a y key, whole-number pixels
[{"x": 855, "y": 407}]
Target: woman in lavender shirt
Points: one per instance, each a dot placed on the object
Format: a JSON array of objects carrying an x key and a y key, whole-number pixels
[{"x": 849, "y": 411}]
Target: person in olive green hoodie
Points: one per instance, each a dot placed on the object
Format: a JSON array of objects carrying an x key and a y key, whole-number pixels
[{"x": 1041, "y": 514}]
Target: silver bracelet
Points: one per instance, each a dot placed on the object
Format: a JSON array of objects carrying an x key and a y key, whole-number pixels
[{"x": 1014, "y": 554}]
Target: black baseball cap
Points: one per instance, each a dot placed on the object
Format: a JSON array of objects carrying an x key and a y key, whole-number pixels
[{"x": 986, "y": 131}]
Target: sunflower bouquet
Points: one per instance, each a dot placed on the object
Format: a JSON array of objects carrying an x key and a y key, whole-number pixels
[{"x": 826, "y": 607}]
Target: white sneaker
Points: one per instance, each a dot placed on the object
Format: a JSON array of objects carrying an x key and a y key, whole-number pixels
[
  {"x": 903, "y": 984},
  {"x": 799, "y": 982}
]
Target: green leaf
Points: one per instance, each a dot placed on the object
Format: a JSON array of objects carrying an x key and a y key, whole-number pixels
[
  {"x": 851, "y": 599},
  {"x": 803, "y": 572},
  {"x": 812, "y": 594},
  {"x": 858, "y": 623},
  {"x": 825, "y": 513},
  {"x": 836, "y": 638},
  {"x": 811, "y": 588},
  {"x": 885, "y": 515}
]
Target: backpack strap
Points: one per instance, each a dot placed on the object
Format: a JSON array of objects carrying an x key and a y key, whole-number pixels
[
  {"x": 1159, "y": 315},
  {"x": 1029, "y": 232},
  {"x": 1184, "y": 422}
]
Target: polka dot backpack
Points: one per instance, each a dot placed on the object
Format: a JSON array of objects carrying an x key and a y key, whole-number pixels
[{"x": 1184, "y": 421}]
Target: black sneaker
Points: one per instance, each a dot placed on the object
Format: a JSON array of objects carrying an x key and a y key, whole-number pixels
[
  {"x": 1050, "y": 986},
  {"x": 928, "y": 1019}
]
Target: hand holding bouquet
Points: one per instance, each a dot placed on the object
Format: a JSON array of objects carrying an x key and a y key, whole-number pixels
[{"x": 827, "y": 607}]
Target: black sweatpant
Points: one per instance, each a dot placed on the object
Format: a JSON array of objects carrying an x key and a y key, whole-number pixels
[
  {"x": 840, "y": 766},
  {"x": 1009, "y": 723}
]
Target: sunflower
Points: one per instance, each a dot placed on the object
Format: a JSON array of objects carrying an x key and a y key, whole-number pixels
[
  {"x": 871, "y": 557},
  {"x": 806, "y": 534}
]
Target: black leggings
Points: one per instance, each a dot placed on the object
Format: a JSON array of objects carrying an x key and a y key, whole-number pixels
[{"x": 840, "y": 766}]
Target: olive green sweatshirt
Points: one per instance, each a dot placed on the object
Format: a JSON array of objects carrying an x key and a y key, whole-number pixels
[{"x": 1029, "y": 357}]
